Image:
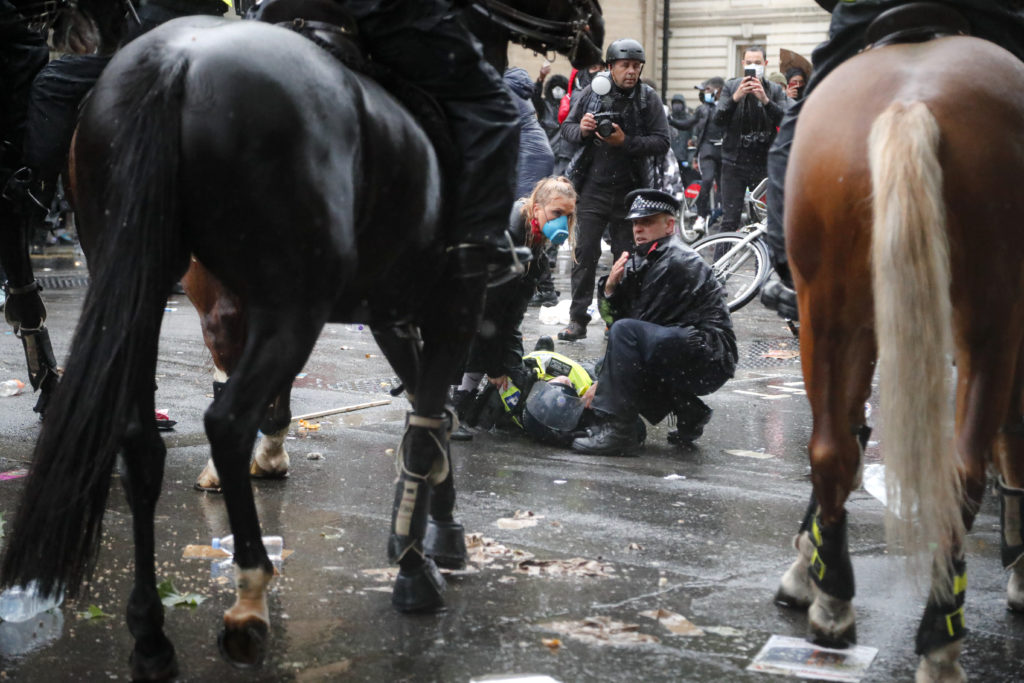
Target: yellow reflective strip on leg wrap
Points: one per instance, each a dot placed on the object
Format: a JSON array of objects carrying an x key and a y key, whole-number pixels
[
  {"x": 815, "y": 532},
  {"x": 951, "y": 617},
  {"x": 960, "y": 584},
  {"x": 818, "y": 566}
]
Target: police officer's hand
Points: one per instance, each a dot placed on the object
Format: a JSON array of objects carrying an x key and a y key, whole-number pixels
[
  {"x": 616, "y": 138},
  {"x": 615, "y": 277},
  {"x": 588, "y": 397},
  {"x": 499, "y": 382},
  {"x": 588, "y": 124}
]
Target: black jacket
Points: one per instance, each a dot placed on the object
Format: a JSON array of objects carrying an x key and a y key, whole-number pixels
[
  {"x": 728, "y": 115},
  {"x": 645, "y": 145},
  {"x": 667, "y": 283}
]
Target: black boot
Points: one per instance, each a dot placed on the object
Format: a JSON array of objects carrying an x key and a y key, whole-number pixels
[
  {"x": 549, "y": 298},
  {"x": 780, "y": 295},
  {"x": 690, "y": 421},
  {"x": 575, "y": 331},
  {"x": 461, "y": 400},
  {"x": 611, "y": 436}
]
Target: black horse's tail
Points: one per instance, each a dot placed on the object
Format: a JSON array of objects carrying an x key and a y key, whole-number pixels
[{"x": 138, "y": 255}]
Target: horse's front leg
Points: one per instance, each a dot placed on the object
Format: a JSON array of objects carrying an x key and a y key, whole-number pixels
[{"x": 153, "y": 657}]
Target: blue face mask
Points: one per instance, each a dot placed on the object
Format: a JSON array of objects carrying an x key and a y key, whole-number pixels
[
  {"x": 709, "y": 98},
  {"x": 557, "y": 230}
]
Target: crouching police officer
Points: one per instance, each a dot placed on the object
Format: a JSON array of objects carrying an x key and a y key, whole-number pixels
[{"x": 671, "y": 338}]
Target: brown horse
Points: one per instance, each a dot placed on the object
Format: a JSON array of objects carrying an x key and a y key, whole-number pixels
[{"x": 894, "y": 260}]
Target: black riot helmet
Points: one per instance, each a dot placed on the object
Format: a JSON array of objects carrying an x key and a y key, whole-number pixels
[
  {"x": 625, "y": 48},
  {"x": 552, "y": 412}
]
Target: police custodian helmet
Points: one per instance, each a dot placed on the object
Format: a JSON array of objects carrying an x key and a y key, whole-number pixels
[{"x": 625, "y": 48}]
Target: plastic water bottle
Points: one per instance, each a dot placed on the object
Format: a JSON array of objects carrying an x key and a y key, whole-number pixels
[
  {"x": 11, "y": 387},
  {"x": 21, "y": 603},
  {"x": 273, "y": 544}
]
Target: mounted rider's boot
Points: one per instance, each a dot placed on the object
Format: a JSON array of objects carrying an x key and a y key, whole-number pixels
[
  {"x": 25, "y": 312},
  {"x": 780, "y": 295}
]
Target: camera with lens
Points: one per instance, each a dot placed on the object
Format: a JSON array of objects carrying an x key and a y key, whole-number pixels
[{"x": 606, "y": 121}]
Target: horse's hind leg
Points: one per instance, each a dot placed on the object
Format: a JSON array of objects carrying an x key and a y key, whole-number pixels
[
  {"x": 278, "y": 345},
  {"x": 153, "y": 657},
  {"x": 1009, "y": 462},
  {"x": 271, "y": 460},
  {"x": 838, "y": 364}
]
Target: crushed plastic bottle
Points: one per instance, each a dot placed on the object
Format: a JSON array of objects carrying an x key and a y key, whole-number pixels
[
  {"x": 11, "y": 387},
  {"x": 273, "y": 544},
  {"x": 21, "y": 603}
]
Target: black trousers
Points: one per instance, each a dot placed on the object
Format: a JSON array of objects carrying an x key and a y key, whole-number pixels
[
  {"x": 990, "y": 19},
  {"x": 737, "y": 176},
  {"x": 483, "y": 120},
  {"x": 710, "y": 173},
  {"x": 599, "y": 209},
  {"x": 652, "y": 370},
  {"x": 546, "y": 280}
]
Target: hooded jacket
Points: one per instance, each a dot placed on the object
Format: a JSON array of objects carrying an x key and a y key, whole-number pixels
[{"x": 536, "y": 160}]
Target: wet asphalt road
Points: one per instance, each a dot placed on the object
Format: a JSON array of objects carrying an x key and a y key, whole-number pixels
[{"x": 701, "y": 532}]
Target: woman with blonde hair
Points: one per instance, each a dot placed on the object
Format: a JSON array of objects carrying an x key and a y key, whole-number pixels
[{"x": 547, "y": 216}]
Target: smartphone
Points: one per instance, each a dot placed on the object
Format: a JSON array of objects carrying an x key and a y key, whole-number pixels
[{"x": 749, "y": 72}]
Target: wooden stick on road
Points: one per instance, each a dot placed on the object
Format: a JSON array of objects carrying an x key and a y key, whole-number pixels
[{"x": 343, "y": 409}]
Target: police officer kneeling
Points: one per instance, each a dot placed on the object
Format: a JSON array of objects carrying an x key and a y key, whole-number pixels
[{"x": 671, "y": 339}]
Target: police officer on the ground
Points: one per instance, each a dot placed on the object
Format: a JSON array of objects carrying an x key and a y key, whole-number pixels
[
  {"x": 999, "y": 21},
  {"x": 627, "y": 155},
  {"x": 671, "y": 338}
]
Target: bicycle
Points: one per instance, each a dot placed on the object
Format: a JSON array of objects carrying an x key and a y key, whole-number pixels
[{"x": 740, "y": 259}]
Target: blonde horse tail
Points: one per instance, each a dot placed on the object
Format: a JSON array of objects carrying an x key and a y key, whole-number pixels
[{"x": 913, "y": 318}]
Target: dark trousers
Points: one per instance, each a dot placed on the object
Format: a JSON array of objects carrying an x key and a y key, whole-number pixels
[
  {"x": 737, "y": 176},
  {"x": 546, "y": 279},
  {"x": 990, "y": 19},
  {"x": 652, "y": 370},
  {"x": 599, "y": 208},
  {"x": 56, "y": 94},
  {"x": 445, "y": 62},
  {"x": 710, "y": 173}
]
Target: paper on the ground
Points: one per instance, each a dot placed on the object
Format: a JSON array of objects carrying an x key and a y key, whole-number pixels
[
  {"x": 874, "y": 480},
  {"x": 513, "y": 678},
  {"x": 797, "y": 657},
  {"x": 559, "y": 313}
]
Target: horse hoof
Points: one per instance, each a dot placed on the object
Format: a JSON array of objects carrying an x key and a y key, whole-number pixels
[
  {"x": 208, "y": 480},
  {"x": 832, "y": 622},
  {"x": 419, "y": 590},
  {"x": 1015, "y": 589},
  {"x": 244, "y": 644},
  {"x": 795, "y": 588},
  {"x": 941, "y": 666},
  {"x": 445, "y": 543},
  {"x": 160, "y": 667},
  {"x": 257, "y": 472}
]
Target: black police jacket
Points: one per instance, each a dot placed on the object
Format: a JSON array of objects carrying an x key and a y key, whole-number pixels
[{"x": 667, "y": 283}]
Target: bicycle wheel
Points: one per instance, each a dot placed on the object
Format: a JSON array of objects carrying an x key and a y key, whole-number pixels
[{"x": 740, "y": 272}]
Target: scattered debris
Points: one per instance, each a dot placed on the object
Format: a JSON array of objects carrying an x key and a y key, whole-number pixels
[
  {"x": 170, "y": 596},
  {"x": 14, "y": 474},
  {"x": 634, "y": 546},
  {"x": 314, "y": 456},
  {"x": 797, "y": 657},
  {"x": 676, "y": 623},
  {"x": 671, "y": 477},
  {"x": 387, "y": 574},
  {"x": 93, "y": 612},
  {"x": 781, "y": 354},
  {"x": 727, "y": 631},
  {"x": 208, "y": 552},
  {"x": 575, "y": 566},
  {"x": 163, "y": 421},
  {"x": 514, "y": 678},
  {"x": 520, "y": 519},
  {"x": 551, "y": 643},
  {"x": 758, "y": 455},
  {"x": 560, "y": 481},
  {"x": 601, "y": 631},
  {"x": 483, "y": 550}
]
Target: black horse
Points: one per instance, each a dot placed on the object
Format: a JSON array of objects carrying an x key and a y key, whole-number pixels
[{"x": 310, "y": 232}]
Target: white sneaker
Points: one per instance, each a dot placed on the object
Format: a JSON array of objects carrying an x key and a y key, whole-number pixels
[{"x": 698, "y": 225}]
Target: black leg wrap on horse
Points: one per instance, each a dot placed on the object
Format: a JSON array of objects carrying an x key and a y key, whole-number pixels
[
  {"x": 943, "y": 623},
  {"x": 863, "y": 434},
  {"x": 1011, "y": 512},
  {"x": 418, "y": 590},
  {"x": 831, "y": 568},
  {"x": 218, "y": 389},
  {"x": 445, "y": 543},
  {"x": 812, "y": 507}
]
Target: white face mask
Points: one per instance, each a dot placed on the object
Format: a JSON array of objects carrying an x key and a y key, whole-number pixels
[
  {"x": 758, "y": 69},
  {"x": 557, "y": 92}
]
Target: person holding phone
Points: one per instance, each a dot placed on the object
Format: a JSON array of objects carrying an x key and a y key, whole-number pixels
[{"x": 749, "y": 110}]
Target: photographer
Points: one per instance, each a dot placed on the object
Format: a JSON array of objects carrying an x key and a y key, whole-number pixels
[
  {"x": 749, "y": 110},
  {"x": 623, "y": 137}
]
